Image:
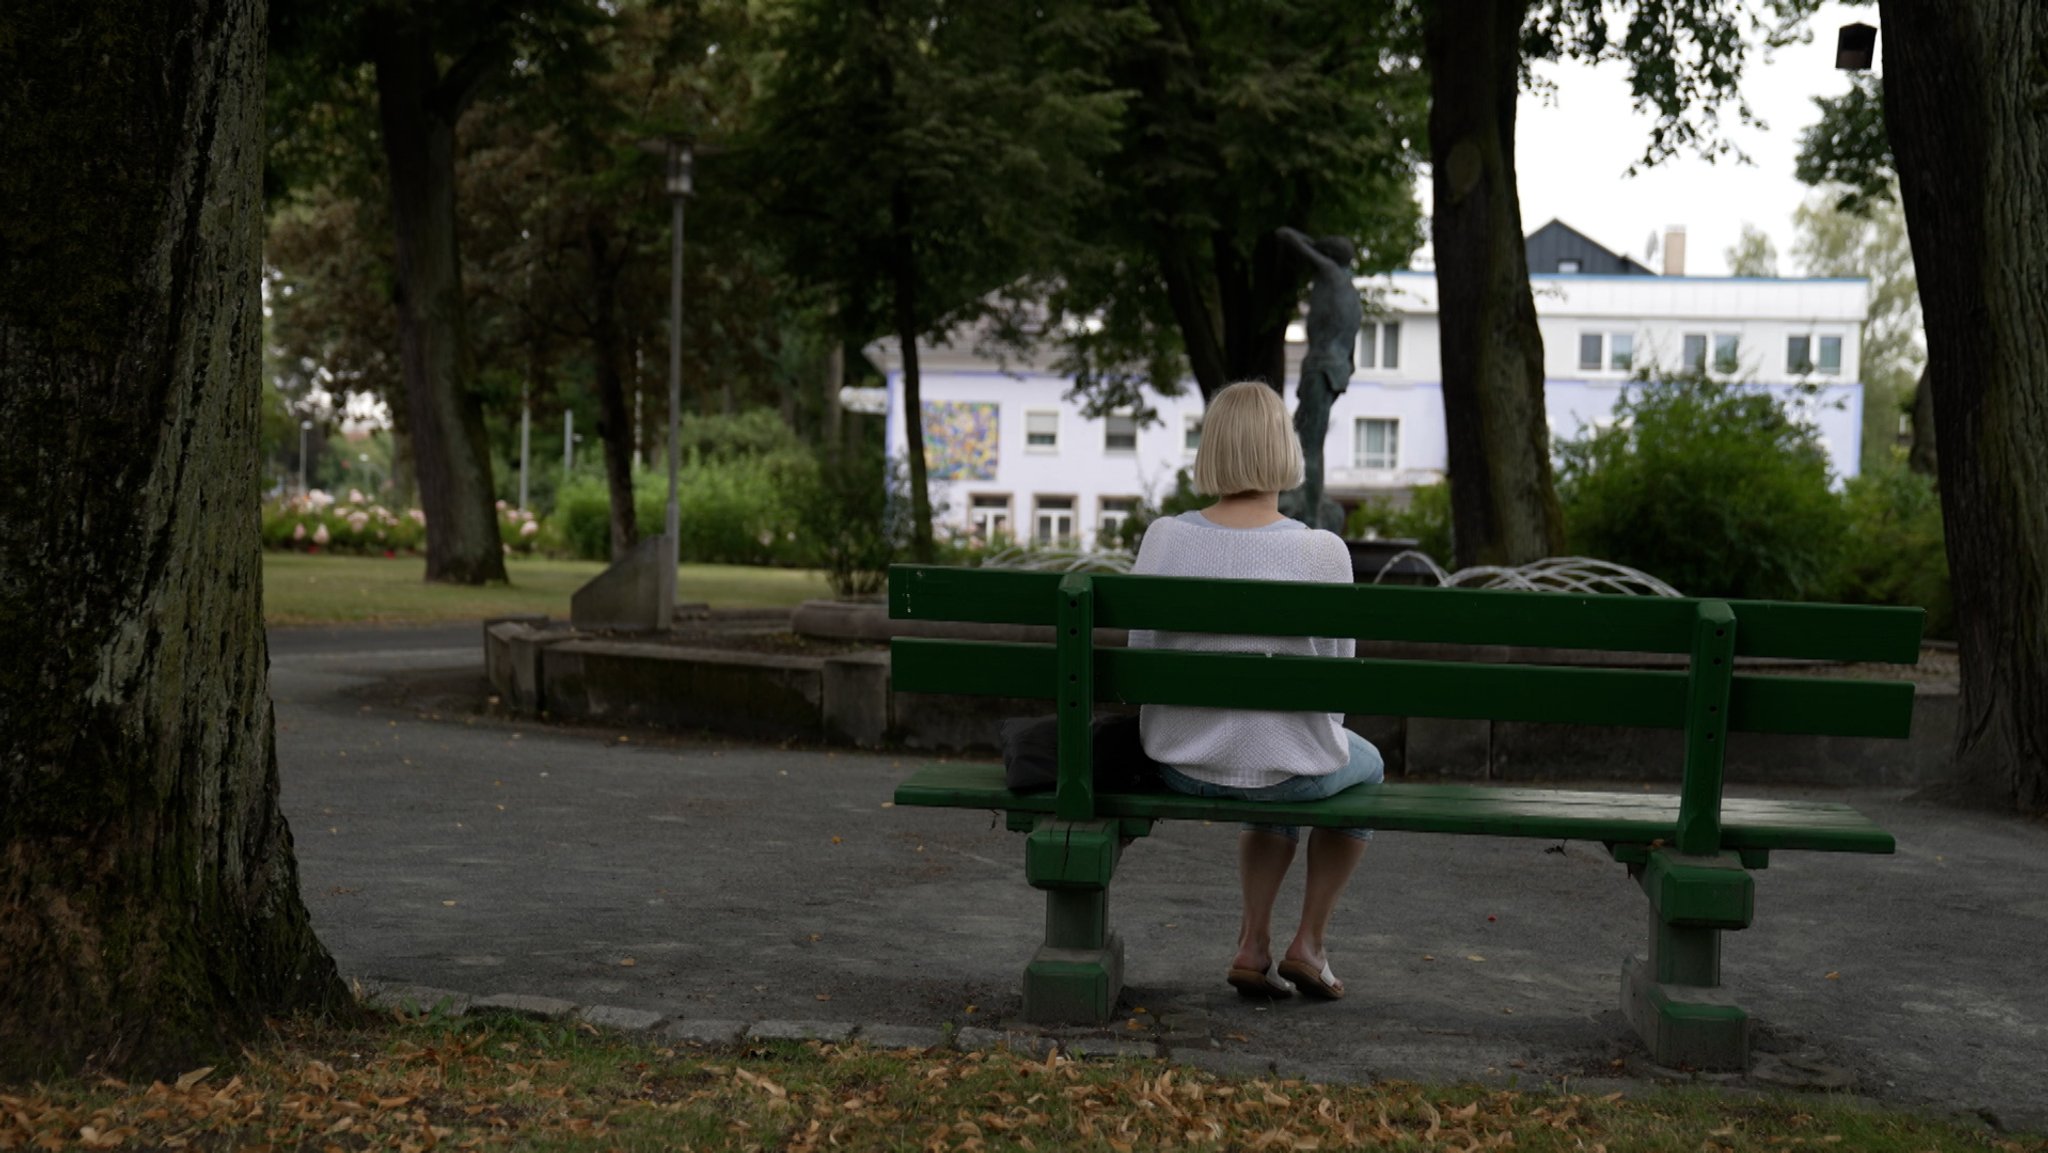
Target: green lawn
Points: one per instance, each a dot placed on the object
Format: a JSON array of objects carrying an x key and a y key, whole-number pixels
[
  {"x": 500, "y": 1083},
  {"x": 305, "y": 590}
]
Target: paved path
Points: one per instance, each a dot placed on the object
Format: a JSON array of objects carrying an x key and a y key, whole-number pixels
[{"x": 708, "y": 879}]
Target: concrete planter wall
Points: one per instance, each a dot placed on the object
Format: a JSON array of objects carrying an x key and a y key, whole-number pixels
[{"x": 846, "y": 700}]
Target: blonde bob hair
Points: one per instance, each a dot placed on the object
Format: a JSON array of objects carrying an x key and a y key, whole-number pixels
[{"x": 1248, "y": 443}]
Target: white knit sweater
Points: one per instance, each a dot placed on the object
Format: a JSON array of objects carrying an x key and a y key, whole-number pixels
[{"x": 1245, "y": 748}]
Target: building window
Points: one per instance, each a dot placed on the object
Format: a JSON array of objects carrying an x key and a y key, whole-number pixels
[
  {"x": 1116, "y": 511},
  {"x": 1695, "y": 356},
  {"x": 988, "y": 517},
  {"x": 1831, "y": 355},
  {"x": 1120, "y": 433},
  {"x": 1567, "y": 266},
  {"x": 1042, "y": 431},
  {"x": 1621, "y": 352},
  {"x": 1191, "y": 435},
  {"x": 1379, "y": 344},
  {"x": 1377, "y": 444},
  {"x": 1798, "y": 355},
  {"x": 1727, "y": 352},
  {"x": 1055, "y": 523},
  {"x": 1589, "y": 351}
]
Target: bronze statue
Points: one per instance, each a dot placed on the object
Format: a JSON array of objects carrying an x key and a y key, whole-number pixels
[{"x": 1334, "y": 316}]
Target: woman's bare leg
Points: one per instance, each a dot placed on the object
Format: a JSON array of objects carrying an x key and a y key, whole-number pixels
[
  {"x": 1332, "y": 857},
  {"x": 1262, "y": 860}
]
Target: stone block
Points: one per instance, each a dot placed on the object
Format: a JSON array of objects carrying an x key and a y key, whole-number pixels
[
  {"x": 855, "y": 689},
  {"x": 976, "y": 1040},
  {"x": 614, "y": 1017},
  {"x": 800, "y": 1031},
  {"x": 519, "y": 1005},
  {"x": 1224, "y": 1063},
  {"x": 1684, "y": 1025},
  {"x": 746, "y": 694},
  {"x": 1453, "y": 749},
  {"x": 703, "y": 1032},
  {"x": 901, "y": 1037},
  {"x": 631, "y": 595},
  {"x": 1109, "y": 1048},
  {"x": 420, "y": 1000}
]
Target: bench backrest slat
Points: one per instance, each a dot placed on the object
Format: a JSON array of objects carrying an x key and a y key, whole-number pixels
[
  {"x": 1395, "y": 613},
  {"x": 1566, "y": 694}
]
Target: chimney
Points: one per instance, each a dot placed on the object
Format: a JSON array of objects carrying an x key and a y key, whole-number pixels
[{"x": 1674, "y": 250}]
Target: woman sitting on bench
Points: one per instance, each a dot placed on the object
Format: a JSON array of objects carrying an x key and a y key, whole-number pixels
[{"x": 1249, "y": 454}]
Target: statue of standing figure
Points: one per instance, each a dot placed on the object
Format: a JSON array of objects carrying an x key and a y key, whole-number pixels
[{"x": 1334, "y": 316}]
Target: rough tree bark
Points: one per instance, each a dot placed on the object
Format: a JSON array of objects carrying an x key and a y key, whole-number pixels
[
  {"x": 904, "y": 256},
  {"x": 417, "y": 110},
  {"x": 149, "y": 900},
  {"x": 608, "y": 356},
  {"x": 1966, "y": 107},
  {"x": 1504, "y": 506}
]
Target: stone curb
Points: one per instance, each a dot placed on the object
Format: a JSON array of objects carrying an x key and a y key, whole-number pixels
[{"x": 1771, "y": 1074}]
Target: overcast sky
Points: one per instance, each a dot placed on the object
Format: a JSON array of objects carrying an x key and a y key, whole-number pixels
[{"x": 1572, "y": 152}]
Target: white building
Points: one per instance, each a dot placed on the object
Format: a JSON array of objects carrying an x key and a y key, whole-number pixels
[{"x": 1010, "y": 454}]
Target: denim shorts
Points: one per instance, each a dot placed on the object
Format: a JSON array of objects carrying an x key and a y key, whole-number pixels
[{"x": 1366, "y": 767}]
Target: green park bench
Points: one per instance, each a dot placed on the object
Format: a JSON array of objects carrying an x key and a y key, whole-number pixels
[{"x": 1691, "y": 853}]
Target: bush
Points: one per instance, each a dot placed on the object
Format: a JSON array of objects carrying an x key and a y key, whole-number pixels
[
  {"x": 1426, "y": 521},
  {"x": 318, "y": 522},
  {"x": 737, "y": 510},
  {"x": 853, "y": 519},
  {"x": 1894, "y": 552},
  {"x": 1716, "y": 488}
]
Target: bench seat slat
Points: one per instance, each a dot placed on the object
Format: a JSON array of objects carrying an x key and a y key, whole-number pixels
[
  {"x": 1538, "y": 693},
  {"x": 1396, "y": 613},
  {"x": 1621, "y": 818}
]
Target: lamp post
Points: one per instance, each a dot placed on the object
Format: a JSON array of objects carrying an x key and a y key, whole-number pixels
[
  {"x": 305, "y": 426},
  {"x": 678, "y": 183}
]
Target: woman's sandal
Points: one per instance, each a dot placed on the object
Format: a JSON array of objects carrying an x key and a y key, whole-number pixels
[
  {"x": 1259, "y": 983},
  {"x": 1323, "y": 986}
]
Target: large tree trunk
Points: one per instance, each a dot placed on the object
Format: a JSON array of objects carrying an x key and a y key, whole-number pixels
[
  {"x": 608, "y": 355},
  {"x": 149, "y": 901},
  {"x": 905, "y": 272},
  {"x": 417, "y": 114},
  {"x": 1503, "y": 503},
  {"x": 1968, "y": 120},
  {"x": 1259, "y": 295}
]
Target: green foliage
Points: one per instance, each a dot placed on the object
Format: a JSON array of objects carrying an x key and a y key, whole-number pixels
[
  {"x": 739, "y": 491},
  {"x": 1714, "y": 487},
  {"x": 1894, "y": 552},
  {"x": 853, "y": 521},
  {"x": 1241, "y": 118},
  {"x": 1182, "y": 498},
  {"x": 1753, "y": 254},
  {"x": 1426, "y": 520},
  {"x": 1847, "y": 148},
  {"x": 1871, "y": 242}
]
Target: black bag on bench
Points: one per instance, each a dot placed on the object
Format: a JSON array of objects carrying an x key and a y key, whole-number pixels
[{"x": 1031, "y": 755}]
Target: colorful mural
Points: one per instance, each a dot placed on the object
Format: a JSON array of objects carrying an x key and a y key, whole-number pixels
[{"x": 960, "y": 441}]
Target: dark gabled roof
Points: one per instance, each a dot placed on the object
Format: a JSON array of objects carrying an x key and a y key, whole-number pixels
[{"x": 1557, "y": 241}]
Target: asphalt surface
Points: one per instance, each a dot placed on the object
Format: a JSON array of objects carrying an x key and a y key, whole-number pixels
[{"x": 442, "y": 845}]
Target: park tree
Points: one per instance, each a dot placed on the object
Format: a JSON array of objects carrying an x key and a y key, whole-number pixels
[
  {"x": 1830, "y": 240},
  {"x": 150, "y": 913},
  {"x": 1685, "y": 59},
  {"x": 1753, "y": 254},
  {"x": 425, "y": 65},
  {"x": 1242, "y": 118},
  {"x": 1966, "y": 119},
  {"x": 920, "y": 159}
]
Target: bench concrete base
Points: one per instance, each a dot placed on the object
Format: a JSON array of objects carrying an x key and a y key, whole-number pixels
[
  {"x": 1684, "y": 1026},
  {"x": 1074, "y": 986}
]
